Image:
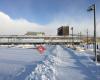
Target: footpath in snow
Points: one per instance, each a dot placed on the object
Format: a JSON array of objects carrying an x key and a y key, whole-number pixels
[{"x": 62, "y": 63}]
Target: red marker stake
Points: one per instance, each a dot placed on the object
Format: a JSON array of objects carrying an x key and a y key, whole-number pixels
[{"x": 41, "y": 49}]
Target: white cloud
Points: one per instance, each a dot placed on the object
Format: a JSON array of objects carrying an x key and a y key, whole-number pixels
[
  {"x": 18, "y": 26},
  {"x": 21, "y": 26},
  {"x": 78, "y": 23}
]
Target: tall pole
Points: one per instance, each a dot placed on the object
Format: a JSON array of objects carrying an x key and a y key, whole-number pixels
[
  {"x": 87, "y": 38},
  {"x": 95, "y": 33},
  {"x": 72, "y": 37},
  {"x": 93, "y": 8},
  {"x": 80, "y": 37}
]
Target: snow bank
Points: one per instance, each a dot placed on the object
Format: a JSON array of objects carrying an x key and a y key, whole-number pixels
[
  {"x": 45, "y": 70},
  {"x": 62, "y": 64}
]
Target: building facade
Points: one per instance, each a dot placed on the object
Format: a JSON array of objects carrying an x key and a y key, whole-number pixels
[
  {"x": 63, "y": 31},
  {"x": 35, "y": 33}
]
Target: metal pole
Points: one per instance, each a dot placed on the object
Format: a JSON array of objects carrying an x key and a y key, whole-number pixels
[
  {"x": 80, "y": 38},
  {"x": 72, "y": 37},
  {"x": 95, "y": 33},
  {"x": 87, "y": 38},
  {"x": 93, "y": 8}
]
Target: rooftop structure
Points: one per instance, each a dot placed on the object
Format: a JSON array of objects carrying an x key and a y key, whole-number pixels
[{"x": 35, "y": 33}]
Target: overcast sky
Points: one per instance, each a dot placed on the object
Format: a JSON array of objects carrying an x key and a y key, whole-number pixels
[{"x": 20, "y": 16}]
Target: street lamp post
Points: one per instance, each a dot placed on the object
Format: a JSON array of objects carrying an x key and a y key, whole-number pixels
[
  {"x": 80, "y": 37},
  {"x": 72, "y": 37},
  {"x": 93, "y": 8},
  {"x": 87, "y": 38}
]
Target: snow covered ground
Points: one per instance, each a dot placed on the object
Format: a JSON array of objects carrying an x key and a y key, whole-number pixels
[
  {"x": 16, "y": 63},
  {"x": 57, "y": 63},
  {"x": 65, "y": 64}
]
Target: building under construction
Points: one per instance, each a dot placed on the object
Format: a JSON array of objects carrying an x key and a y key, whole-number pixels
[{"x": 63, "y": 31}]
